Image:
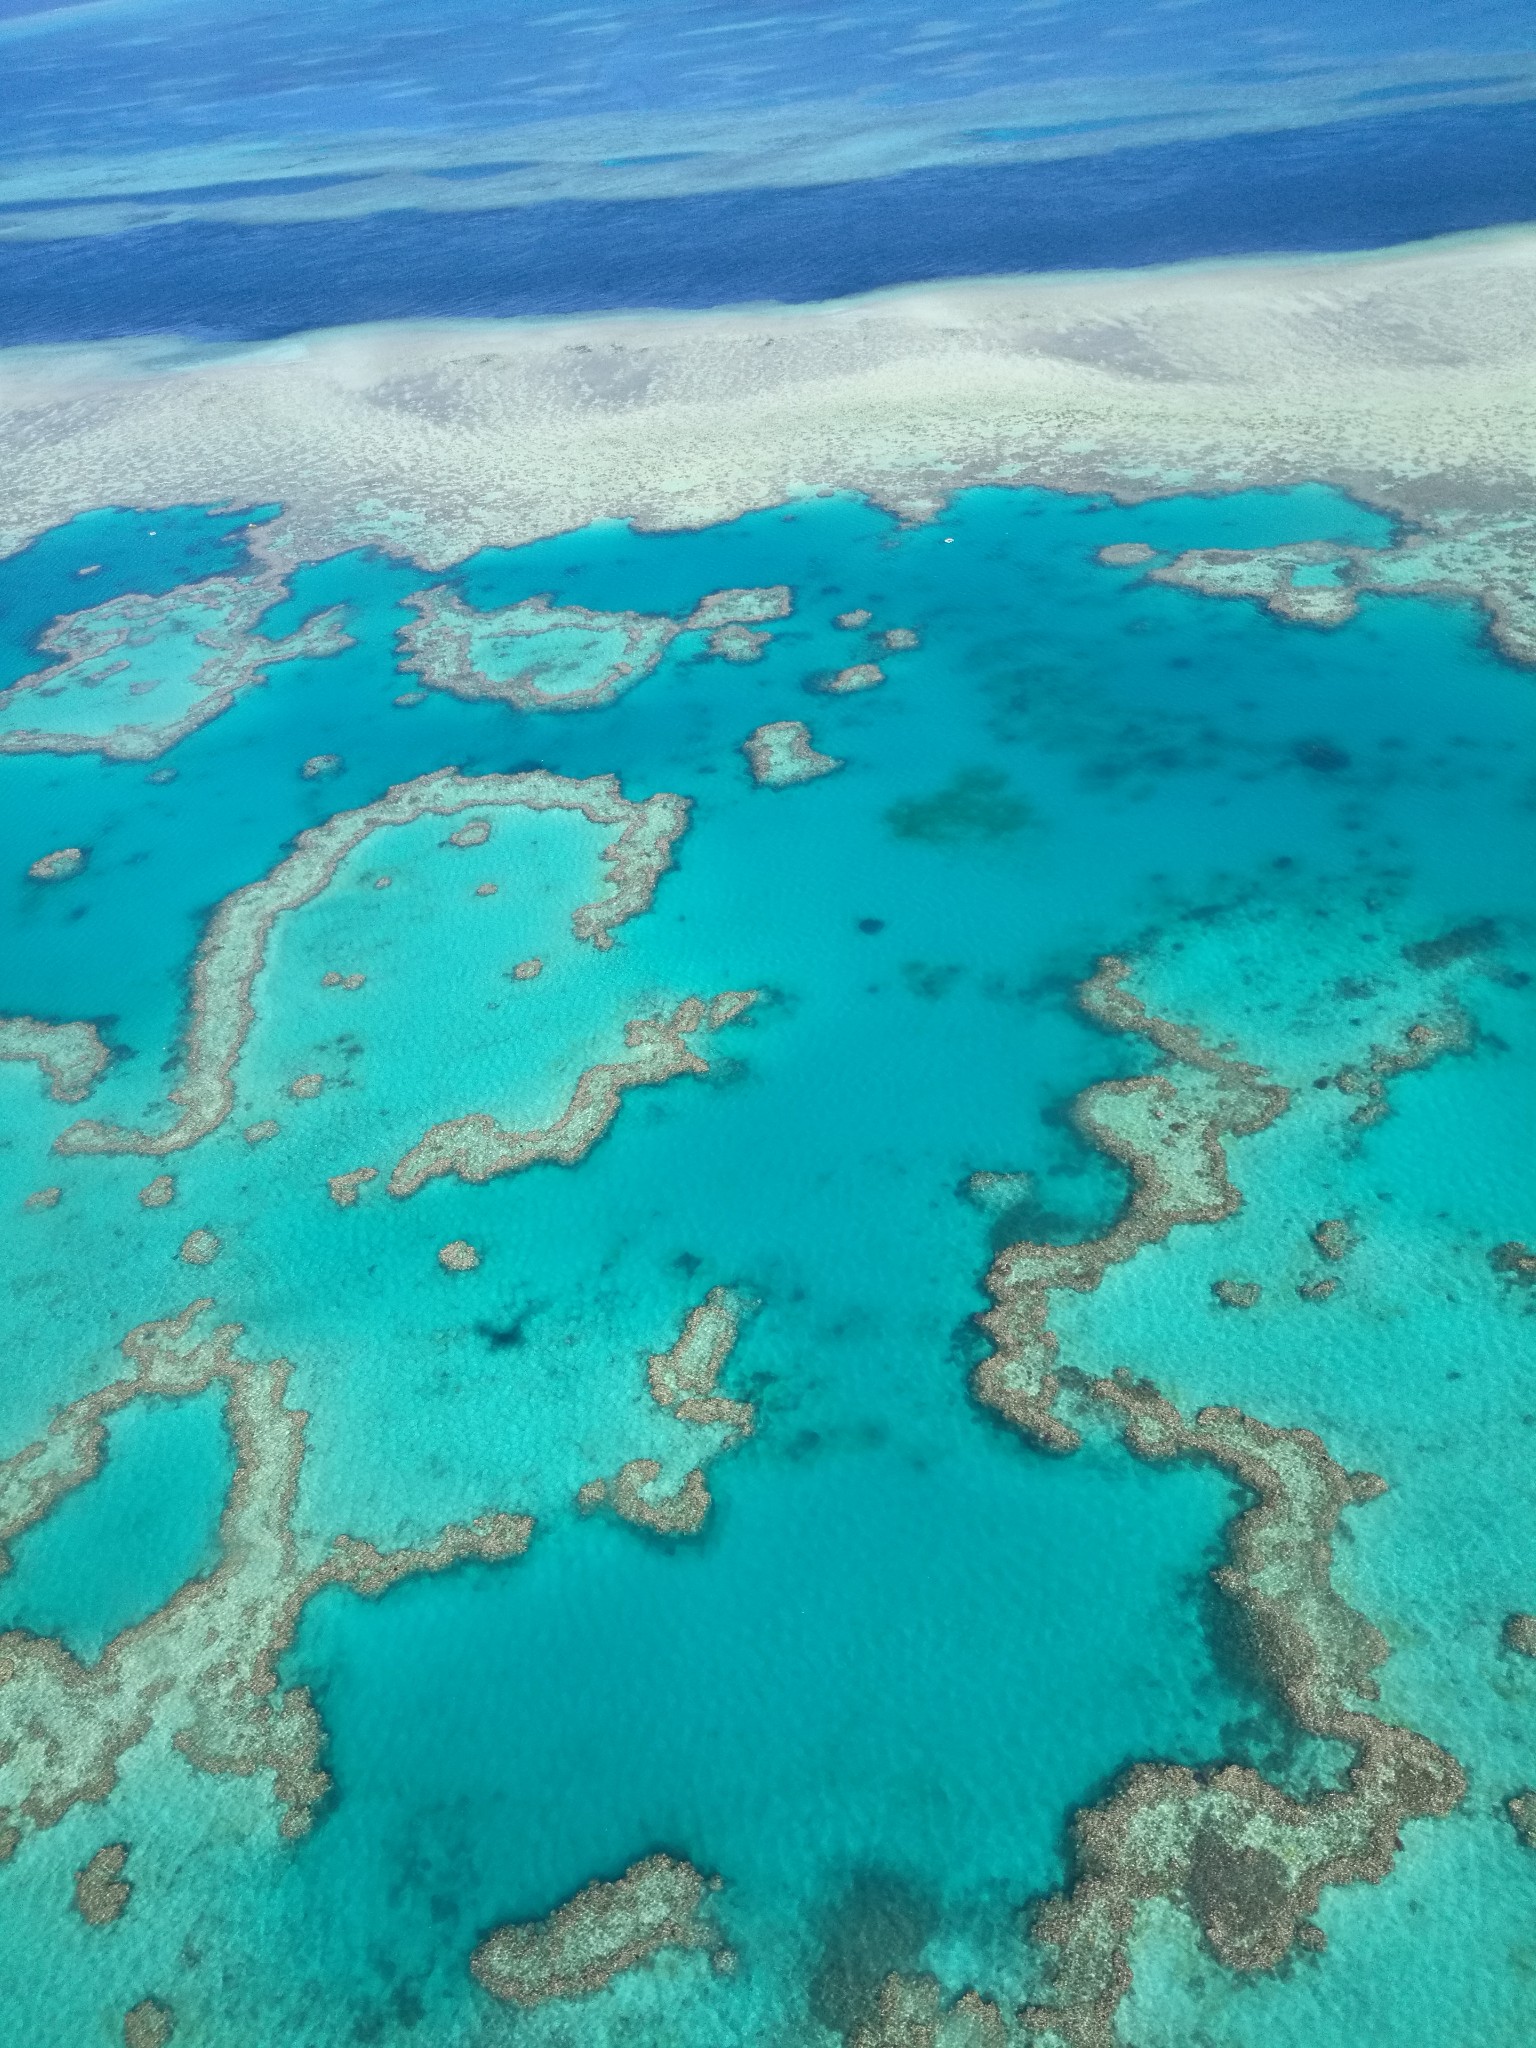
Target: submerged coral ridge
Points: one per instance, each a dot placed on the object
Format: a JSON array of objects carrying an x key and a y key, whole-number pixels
[
  {"x": 605, "y": 1929},
  {"x": 1246, "y": 1860},
  {"x": 477, "y": 1148},
  {"x": 1169, "y": 1135},
  {"x": 233, "y": 948},
  {"x": 537, "y": 656},
  {"x": 204, "y": 1666},
  {"x": 182, "y": 659}
]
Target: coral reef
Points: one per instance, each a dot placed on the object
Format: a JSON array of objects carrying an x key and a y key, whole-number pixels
[
  {"x": 344, "y": 1188},
  {"x": 1168, "y": 1133},
  {"x": 1320, "y": 583},
  {"x": 851, "y": 621},
  {"x": 606, "y": 1928},
  {"x": 910, "y": 2013},
  {"x": 1334, "y": 1237},
  {"x": 60, "y": 866},
  {"x": 101, "y": 1890},
  {"x": 1514, "y": 1261},
  {"x": 863, "y": 675},
  {"x": 780, "y": 755},
  {"x": 232, "y": 951},
  {"x": 71, "y": 1056},
  {"x": 683, "y": 1378},
  {"x": 755, "y": 607},
  {"x": 1126, "y": 554},
  {"x": 1246, "y": 1860},
  {"x": 202, "y": 1668},
  {"x": 193, "y": 650},
  {"x": 477, "y": 1148},
  {"x": 150, "y": 2024},
  {"x": 458, "y": 1257},
  {"x": 158, "y": 1193},
  {"x": 1421, "y": 1044},
  {"x": 319, "y": 766},
  {"x": 899, "y": 640},
  {"x": 738, "y": 643},
  {"x": 537, "y": 656},
  {"x": 629, "y": 1493},
  {"x": 199, "y": 1248},
  {"x": 1237, "y": 1293}
]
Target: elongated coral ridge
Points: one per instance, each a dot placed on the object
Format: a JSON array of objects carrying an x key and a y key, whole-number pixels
[
  {"x": 233, "y": 949},
  {"x": 537, "y": 656},
  {"x": 780, "y": 755},
  {"x": 1246, "y": 1860},
  {"x": 477, "y": 1148},
  {"x": 71, "y": 1056},
  {"x": 1169, "y": 1134},
  {"x": 195, "y": 646},
  {"x": 202, "y": 1668},
  {"x": 101, "y": 1890},
  {"x": 606, "y": 1928}
]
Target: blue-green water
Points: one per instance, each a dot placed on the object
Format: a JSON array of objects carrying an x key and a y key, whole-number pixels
[{"x": 905, "y": 1646}]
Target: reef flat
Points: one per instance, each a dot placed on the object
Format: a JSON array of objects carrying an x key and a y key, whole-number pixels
[{"x": 1403, "y": 377}]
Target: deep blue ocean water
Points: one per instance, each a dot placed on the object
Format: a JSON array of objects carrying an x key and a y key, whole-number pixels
[
  {"x": 905, "y": 1646},
  {"x": 1345, "y": 185}
]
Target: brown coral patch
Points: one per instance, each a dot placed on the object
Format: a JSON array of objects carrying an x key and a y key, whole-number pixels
[
  {"x": 101, "y": 1890},
  {"x": 158, "y": 1192},
  {"x": 458, "y": 1257},
  {"x": 150, "y": 2024}
]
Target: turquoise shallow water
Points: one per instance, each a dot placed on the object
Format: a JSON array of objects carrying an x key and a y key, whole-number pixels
[{"x": 906, "y": 1645}]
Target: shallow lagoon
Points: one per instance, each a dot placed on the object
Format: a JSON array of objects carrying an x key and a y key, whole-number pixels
[{"x": 906, "y": 1645}]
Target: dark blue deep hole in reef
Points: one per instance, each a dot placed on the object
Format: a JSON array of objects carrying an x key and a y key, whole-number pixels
[{"x": 1352, "y": 185}]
